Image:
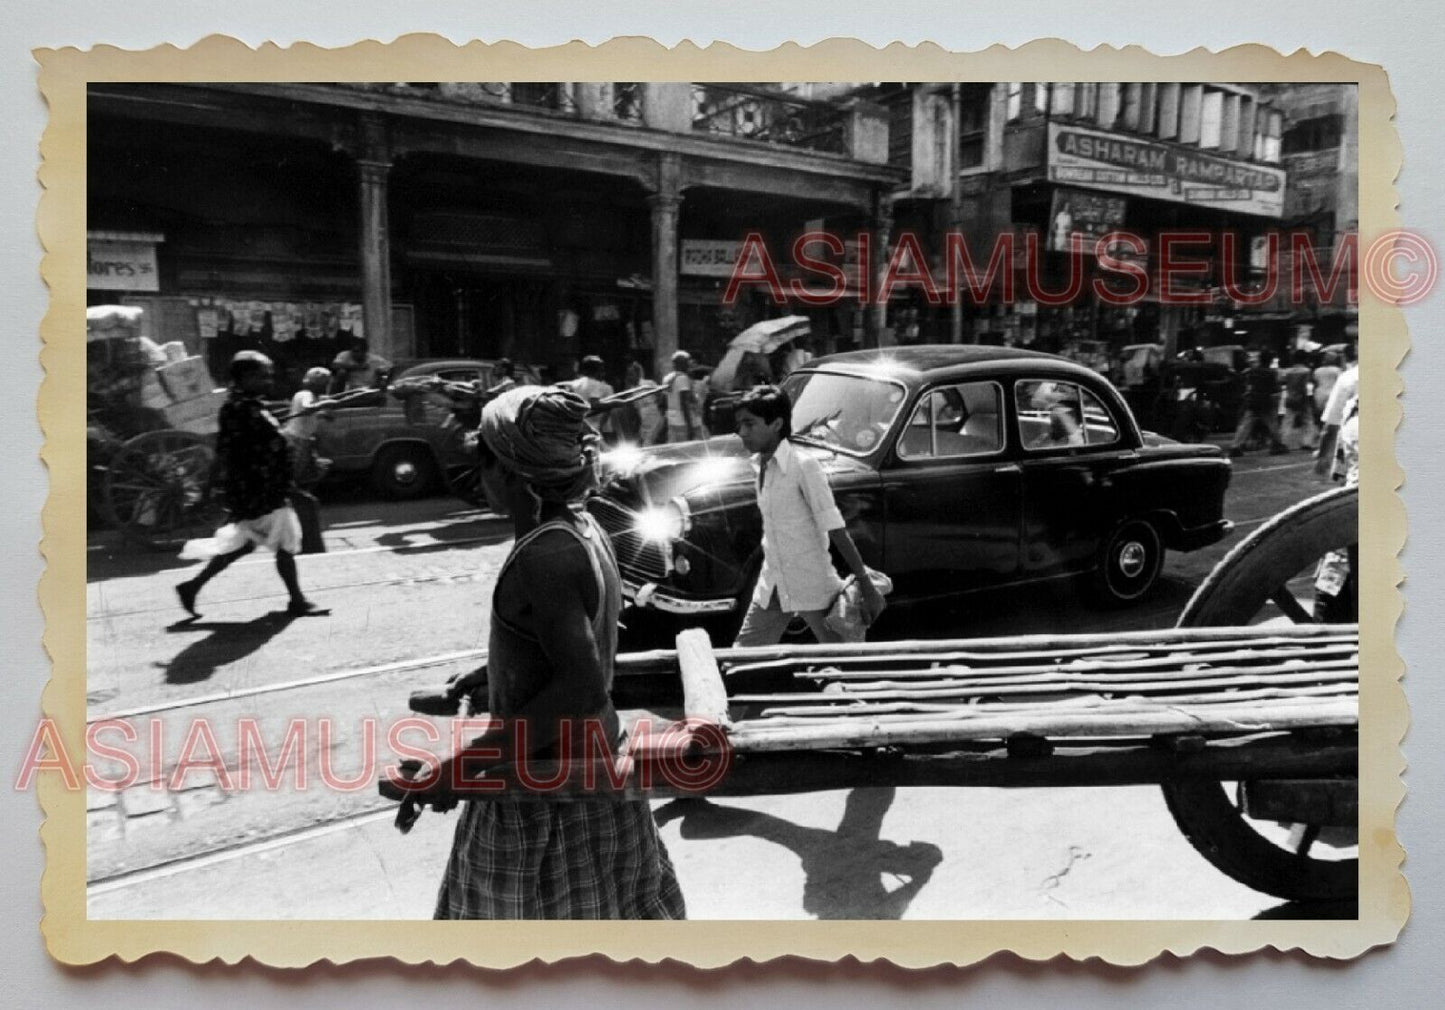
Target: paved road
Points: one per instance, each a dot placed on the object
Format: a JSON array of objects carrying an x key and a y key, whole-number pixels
[{"x": 409, "y": 586}]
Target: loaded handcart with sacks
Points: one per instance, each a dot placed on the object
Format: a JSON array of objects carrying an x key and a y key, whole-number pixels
[
  {"x": 151, "y": 425},
  {"x": 1245, "y": 714}
]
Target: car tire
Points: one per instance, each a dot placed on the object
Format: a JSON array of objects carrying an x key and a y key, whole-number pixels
[
  {"x": 404, "y": 472},
  {"x": 1129, "y": 564}
]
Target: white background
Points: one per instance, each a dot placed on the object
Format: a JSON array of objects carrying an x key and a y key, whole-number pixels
[{"x": 1405, "y": 37}]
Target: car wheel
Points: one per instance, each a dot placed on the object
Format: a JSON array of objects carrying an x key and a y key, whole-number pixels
[
  {"x": 1129, "y": 564},
  {"x": 404, "y": 472}
]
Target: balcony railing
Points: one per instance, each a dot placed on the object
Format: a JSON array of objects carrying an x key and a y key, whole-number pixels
[
  {"x": 755, "y": 113},
  {"x": 737, "y": 111}
]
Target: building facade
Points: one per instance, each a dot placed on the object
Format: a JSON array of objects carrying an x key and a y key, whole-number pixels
[
  {"x": 1041, "y": 161},
  {"x": 540, "y": 221}
]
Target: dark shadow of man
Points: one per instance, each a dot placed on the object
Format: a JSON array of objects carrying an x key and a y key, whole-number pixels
[
  {"x": 843, "y": 869},
  {"x": 228, "y": 642}
]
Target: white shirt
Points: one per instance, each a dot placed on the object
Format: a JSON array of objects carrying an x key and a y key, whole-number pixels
[
  {"x": 594, "y": 389},
  {"x": 677, "y": 383},
  {"x": 798, "y": 514},
  {"x": 302, "y": 425},
  {"x": 1346, "y": 387}
]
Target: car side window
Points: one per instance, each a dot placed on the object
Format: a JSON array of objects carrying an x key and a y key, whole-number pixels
[
  {"x": 1061, "y": 415},
  {"x": 1099, "y": 425},
  {"x": 459, "y": 375},
  {"x": 955, "y": 421}
]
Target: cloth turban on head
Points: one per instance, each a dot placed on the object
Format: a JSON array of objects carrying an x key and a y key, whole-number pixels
[{"x": 541, "y": 432}]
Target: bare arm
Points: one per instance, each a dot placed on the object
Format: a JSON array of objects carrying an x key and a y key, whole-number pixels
[{"x": 553, "y": 578}]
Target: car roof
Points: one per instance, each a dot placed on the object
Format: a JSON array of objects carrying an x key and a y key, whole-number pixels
[
  {"x": 437, "y": 364},
  {"x": 927, "y": 362}
]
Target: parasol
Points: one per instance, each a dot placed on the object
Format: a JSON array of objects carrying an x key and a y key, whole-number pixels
[{"x": 760, "y": 338}]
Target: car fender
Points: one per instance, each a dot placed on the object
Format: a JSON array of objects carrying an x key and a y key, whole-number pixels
[{"x": 406, "y": 441}]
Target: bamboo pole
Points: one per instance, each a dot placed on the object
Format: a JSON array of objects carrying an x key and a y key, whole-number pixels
[
  {"x": 748, "y": 658},
  {"x": 1342, "y": 673},
  {"x": 1127, "y": 704},
  {"x": 877, "y": 731},
  {"x": 703, "y": 694},
  {"x": 1101, "y": 666}
]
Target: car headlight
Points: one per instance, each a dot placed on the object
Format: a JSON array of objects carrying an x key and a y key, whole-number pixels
[{"x": 663, "y": 523}]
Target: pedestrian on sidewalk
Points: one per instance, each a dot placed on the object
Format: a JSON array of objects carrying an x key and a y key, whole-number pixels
[
  {"x": 255, "y": 457},
  {"x": 1260, "y": 407},
  {"x": 1324, "y": 378},
  {"x": 1297, "y": 430},
  {"x": 550, "y": 661},
  {"x": 800, "y": 519},
  {"x": 1345, "y": 389},
  {"x": 682, "y": 414},
  {"x": 307, "y": 406},
  {"x": 592, "y": 385}
]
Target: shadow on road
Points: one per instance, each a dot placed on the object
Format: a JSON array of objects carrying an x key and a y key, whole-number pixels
[
  {"x": 228, "y": 642},
  {"x": 844, "y": 869},
  {"x": 484, "y": 531}
]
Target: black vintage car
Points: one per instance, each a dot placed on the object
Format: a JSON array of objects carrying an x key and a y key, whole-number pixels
[{"x": 957, "y": 468}]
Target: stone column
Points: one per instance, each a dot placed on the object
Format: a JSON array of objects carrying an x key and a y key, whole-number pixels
[
  {"x": 882, "y": 232},
  {"x": 664, "y": 204},
  {"x": 955, "y": 209},
  {"x": 376, "y": 259}
]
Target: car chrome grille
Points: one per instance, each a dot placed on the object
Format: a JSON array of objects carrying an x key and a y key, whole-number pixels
[{"x": 638, "y": 557}]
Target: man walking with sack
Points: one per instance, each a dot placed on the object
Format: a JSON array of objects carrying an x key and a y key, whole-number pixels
[{"x": 800, "y": 519}]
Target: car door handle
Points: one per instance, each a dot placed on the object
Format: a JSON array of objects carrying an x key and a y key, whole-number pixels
[{"x": 1008, "y": 468}]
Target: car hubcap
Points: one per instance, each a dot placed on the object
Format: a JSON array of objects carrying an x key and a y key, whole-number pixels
[
  {"x": 1132, "y": 557},
  {"x": 404, "y": 473}
]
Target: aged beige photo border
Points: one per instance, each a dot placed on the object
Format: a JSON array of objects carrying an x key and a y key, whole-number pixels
[{"x": 71, "y": 938}]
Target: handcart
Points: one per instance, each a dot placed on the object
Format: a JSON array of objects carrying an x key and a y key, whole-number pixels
[
  {"x": 150, "y": 437},
  {"x": 1245, "y": 714}
]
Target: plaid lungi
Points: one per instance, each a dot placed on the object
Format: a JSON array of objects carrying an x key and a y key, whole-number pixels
[{"x": 591, "y": 858}]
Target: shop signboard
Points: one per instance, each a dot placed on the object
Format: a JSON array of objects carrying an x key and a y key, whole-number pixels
[
  {"x": 1136, "y": 166},
  {"x": 705, "y": 257},
  {"x": 114, "y": 265},
  {"x": 1084, "y": 213}
]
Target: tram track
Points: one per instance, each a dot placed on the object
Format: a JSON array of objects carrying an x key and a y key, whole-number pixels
[
  {"x": 205, "y": 858},
  {"x": 276, "y": 687}
]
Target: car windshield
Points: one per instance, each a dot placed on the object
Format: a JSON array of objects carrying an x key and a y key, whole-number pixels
[{"x": 849, "y": 413}]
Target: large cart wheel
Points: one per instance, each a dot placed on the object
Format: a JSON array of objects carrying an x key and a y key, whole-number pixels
[
  {"x": 156, "y": 489},
  {"x": 1267, "y": 578}
]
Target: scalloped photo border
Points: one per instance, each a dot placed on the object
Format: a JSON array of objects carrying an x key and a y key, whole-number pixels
[{"x": 71, "y": 938}]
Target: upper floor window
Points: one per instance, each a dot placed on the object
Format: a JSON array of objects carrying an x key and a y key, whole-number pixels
[
  {"x": 973, "y": 104},
  {"x": 1062, "y": 99},
  {"x": 1268, "y": 126},
  {"x": 1319, "y": 134}
]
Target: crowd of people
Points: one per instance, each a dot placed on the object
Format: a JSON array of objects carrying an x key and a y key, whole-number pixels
[{"x": 1286, "y": 399}]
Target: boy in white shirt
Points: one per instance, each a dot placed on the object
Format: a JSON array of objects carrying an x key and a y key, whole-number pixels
[{"x": 800, "y": 519}]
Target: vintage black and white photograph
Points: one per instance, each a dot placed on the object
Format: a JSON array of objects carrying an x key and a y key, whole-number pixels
[{"x": 841, "y": 500}]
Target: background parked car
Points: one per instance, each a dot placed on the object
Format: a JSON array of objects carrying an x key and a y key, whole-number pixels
[{"x": 406, "y": 444}]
